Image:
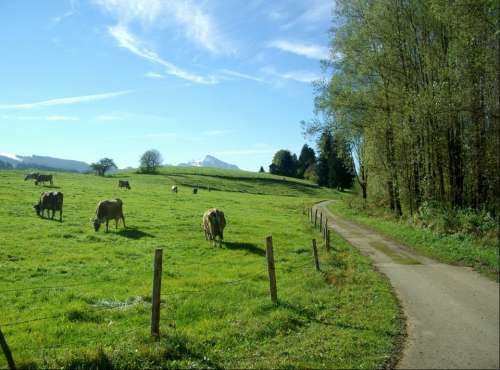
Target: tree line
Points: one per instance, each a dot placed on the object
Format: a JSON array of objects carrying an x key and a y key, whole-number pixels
[
  {"x": 332, "y": 168},
  {"x": 415, "y": 93}
]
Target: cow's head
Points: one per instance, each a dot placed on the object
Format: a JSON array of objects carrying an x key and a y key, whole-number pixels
[
  {"x": 97, "y": 224},
  {"x": 37, "y": 208}
]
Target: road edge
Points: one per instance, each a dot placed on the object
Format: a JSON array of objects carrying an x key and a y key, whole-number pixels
[{"x": 400, "y": 339}]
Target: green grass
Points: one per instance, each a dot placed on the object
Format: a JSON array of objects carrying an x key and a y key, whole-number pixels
[
  {"x": 453, "y": 249},
  {"x": 216, "y": 310}
]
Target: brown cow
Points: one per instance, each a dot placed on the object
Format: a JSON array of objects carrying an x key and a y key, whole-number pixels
[
  {"x": 109, "y": 210},
  {"x": 214, "y": 223},
  {"x": 50, "y": 201}
]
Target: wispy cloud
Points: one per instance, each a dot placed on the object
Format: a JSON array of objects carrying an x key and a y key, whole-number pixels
[
  {"x": 310, "y": 51},
  {"x": 298, "y": 76},
  {"x": 121, "y": 116},
  {"x": 317, "y": 12},
  {"x": 41, "y": 118},
  {"x": 59, "y": 18},
  {"x": 187, "y": 16},
  {"x": 232, "y": 73},
  {"x": 61, "y": 118},
  {"x": 66, "y": 101},
  {"x": 73, "y": 6},
  {"x": 154, "y": 75},
  {"x": 130, "y": 42}
]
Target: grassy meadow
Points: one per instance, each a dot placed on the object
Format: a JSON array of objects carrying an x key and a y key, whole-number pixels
[{"x": 74, "y": 298}]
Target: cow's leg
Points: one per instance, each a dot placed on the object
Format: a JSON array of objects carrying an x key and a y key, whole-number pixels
[
  {"x": 60, "y": 215},
  {"x": 53, "y": 213},
  {"x": 107, "y": 225},
  {"x": 123, "y": 220}
]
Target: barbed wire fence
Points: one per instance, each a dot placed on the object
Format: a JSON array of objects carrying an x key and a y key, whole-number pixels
[{"x": 157, "y": 294}]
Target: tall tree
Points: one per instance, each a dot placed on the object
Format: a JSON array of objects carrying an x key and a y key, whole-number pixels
[
  {"x": 307, "y": 158},
  {"x": 150, "y": 161},
  {"x": 102, "y": 166},
  {"x": 284, "y": 163},
  {"x": 418, "y": 83}
]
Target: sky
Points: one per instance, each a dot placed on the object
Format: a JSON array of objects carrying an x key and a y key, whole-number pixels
[{"x": 87, "y": 79}]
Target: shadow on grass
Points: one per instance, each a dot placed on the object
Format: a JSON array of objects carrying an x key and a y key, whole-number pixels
[
  {"x": 252, "y": 248},
  {"x": 134, "y": 233}
]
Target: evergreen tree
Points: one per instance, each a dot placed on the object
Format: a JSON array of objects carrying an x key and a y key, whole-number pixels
[
  {"x": 307, "y": 158},
  {"x": 261, "y": 170},
  {"x": 284, "y": 164}
]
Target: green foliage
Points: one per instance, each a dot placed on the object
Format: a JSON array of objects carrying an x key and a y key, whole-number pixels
[
  {"x": 102, "y": 166},
  {"x": 97, "y": 314},
  {"x": 419, "y": 83},
  {"x": 307, "y": 158},
  {"x": 261, "y": 169},
  {"x": 465, "y": 221},
  {"x": 466, "y": 237},
  {"x": 150, "y": 161},
  {"x": 335, "y": 167},
  {"x": 284, "y": 164}
]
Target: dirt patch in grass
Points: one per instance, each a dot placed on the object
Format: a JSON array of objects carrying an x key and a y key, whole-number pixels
[{"x": 395, "y": 256}]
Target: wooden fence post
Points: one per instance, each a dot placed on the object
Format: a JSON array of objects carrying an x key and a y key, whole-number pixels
[
  {"x": 327, "y": 242},
  {"x": 155, "y": 311},
  {"x": 6, "y": 351},
  {"x": 315, "y": 217},
  {"x": 271, "y": 269},
  {"x": 321, "y": 221},
  {"x": 315, "y": 254}
]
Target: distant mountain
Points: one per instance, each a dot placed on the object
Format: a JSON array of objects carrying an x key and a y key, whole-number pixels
[
  {"x": 210, "y": 161},
  {"x": 8, "y": 160}
]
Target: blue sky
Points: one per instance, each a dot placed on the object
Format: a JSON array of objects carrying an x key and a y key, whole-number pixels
[{"x": 87, "y": 79}]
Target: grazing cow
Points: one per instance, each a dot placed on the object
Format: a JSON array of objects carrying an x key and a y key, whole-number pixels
[
  {"x": 43, "y": 179},
  {"x": 214, "y": 223},
  {"x": 195, "y": 191},
  {"x": 31, "y": 176},
  {"x": 108, "y": 210},
  {"x": 174, "y": 189},
  {"x": 123, "y": 184},
  {"x": 50, "y": 201}
]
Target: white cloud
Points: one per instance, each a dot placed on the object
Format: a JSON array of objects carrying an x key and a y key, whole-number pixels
[
  {"x": 61, "y": 118},
  {"x": 309, "y": 51},
  {"x": 298, "y": 76},
  {"x": 66, "y": 101},
  {"x": 58, "y": 19},
  {"x": 316, "y": 13},
  {"x": 240, "y": 75},
  {"x": 42, "y": 118},
  {"x": 130, "y": 42},
  {"x": 187, "y": 16},
  {"x": 155, "y": 75}
]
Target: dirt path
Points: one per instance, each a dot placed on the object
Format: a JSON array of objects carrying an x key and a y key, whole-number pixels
[{"x": 452, "y": 312}]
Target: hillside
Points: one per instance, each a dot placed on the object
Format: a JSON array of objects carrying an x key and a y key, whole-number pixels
[
  {"x": 76, "y": 298},
  {"x": 8, "y": 160}
]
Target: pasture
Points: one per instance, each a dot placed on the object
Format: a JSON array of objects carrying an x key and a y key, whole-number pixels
[{"x": 71, "y": 297}]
